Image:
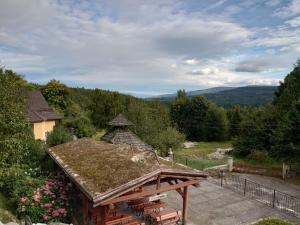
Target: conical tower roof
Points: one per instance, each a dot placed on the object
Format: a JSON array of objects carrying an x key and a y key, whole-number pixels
[{"x": 120, "y": 121}]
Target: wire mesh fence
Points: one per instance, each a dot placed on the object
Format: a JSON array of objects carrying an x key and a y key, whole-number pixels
[
  {"x": 261, "y": 193},
  {"x": 199, "y": 164}
]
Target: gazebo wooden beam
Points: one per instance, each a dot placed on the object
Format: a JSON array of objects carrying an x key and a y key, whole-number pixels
[
  {"x": 149, "y": 193},
  {"x": 178, "y": 189}
]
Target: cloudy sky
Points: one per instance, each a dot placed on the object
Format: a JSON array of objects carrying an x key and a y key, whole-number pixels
[{"x": 150, "y": 47}]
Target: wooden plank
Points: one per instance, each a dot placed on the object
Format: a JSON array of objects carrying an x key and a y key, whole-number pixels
[
  {"x": 157, "y": 197},
  {"x": 178, "y": 189},
  {"x": 123, "y": 189},
  {"x": 185, "y": 205},
  {"x": 183, "y": 174},
  {"x": 149, "y": 193},
  {"x": 158, "y": 182}
]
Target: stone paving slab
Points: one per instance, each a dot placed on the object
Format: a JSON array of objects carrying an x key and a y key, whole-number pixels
[{"x": 211, "y": 204}]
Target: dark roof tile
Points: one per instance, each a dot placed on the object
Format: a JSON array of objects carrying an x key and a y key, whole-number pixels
[
  {"x": 120, "y": 120},
  {"x": 38, "y": 109}
]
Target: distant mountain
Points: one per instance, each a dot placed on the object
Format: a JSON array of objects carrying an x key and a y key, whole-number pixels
[
  {"x": 197, "y": 92},
  {"x": 209, "y": 91},
  {"x": 229, "y": 96}
]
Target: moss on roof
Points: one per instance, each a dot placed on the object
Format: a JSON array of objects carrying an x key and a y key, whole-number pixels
[{"x": 100, "y": 166}]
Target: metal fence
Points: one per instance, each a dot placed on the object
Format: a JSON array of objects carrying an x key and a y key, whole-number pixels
[{"x": 261, "y": 193}]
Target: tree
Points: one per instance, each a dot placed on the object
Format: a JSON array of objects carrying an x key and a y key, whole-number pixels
[
  {"x": 56, "y": 94},
  {"x": 20, "y": 154},
  {"x": 179, "y": 112},
  {"x": 198, "y": 114},
  {"x": 286, "y": 138},
  {"x": 105, "y": 106},
  {"x": 169, "y": 138},
  {"x": 14, "y": 129},
  {"x": 58, "y": 136},
  {"x": 216, "y": 124},
  {"x": 289, "y": 91},
  {"x": 235, "y": 118}
]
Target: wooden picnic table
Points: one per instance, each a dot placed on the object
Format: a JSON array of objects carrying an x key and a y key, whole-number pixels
[
  {"x": 151, "y": 207},
  {"x": 136, "y": 202},
  {"x": 165, "y": 217},
  {"x": 121, "y": 219},
  {"x": 134, "y": 222}
]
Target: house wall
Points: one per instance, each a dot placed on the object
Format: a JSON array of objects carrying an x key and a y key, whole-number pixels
[{"x": 41, "y": 128}]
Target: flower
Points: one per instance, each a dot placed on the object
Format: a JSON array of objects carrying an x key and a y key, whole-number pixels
[
  {"x": 45, "y": 217},
  {"x": 23, "y": 200},
  {"x": 55, "y": 213}
]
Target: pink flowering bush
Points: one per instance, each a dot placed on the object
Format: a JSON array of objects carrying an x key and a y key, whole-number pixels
[{"x": 46, "y": 203}]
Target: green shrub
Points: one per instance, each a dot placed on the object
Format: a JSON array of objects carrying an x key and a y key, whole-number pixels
[
  {"x": 258, "y": 156},
  {"x": 58, "y": 136},
  {"x": 272, "y": 222},
  {"x": 82, "y": 126},
  {"x": 8, "y": 178},
  {"x": 169, "y": 138},
  {"x": 42, "y": 200}
]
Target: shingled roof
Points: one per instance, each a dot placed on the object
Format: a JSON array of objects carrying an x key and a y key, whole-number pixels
[
  {"x": 120, "y": 121},
  {"x": 38, "y": 109},
  {"x": 126, "y": 137},
  {"x": 100, "y": 168}
]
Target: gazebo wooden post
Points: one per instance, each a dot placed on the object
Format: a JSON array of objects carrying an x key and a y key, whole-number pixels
[
  {"x": 97, "y": 216},
  {"x": 185, "y": 205},
  {"x": 103, "y": 212},
  {"x": 85, "y": 210},
  {"x": 158, "y": 182}
]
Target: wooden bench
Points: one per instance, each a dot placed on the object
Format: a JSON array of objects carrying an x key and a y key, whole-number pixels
[
  {"x": 134, "y": 203},
  {"x": 134, "y": 222},
  {"x": 165, "y": 217},
  {"x": 121, "y": 219},
  {"x": 153, "y": 207}
]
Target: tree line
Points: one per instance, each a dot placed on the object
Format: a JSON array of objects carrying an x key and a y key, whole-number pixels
[{"x": 268, "y": 131}]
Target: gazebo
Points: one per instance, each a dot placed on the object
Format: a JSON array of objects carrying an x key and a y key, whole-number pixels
[
  {"x": 119, "y": 133},
  {"x": 110, "y": 175}
]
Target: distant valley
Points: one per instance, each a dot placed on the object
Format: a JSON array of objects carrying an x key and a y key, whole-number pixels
[{"x": 229, "y": 96}]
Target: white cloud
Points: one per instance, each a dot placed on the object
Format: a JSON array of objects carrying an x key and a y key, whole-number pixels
[
  {"x": 290, "y": 10},
  {"x": 190, "y": 62},
  {"x": 295, "y": 22},
  {"x": 205, "y": 71},
  {"x": 272, "y": 2},
  {"x": 130, "y": 44}
]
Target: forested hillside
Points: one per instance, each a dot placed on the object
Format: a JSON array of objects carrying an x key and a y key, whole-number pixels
[
  {"x": 274, "y": 130},
  {"x": 228, "y": 97}
]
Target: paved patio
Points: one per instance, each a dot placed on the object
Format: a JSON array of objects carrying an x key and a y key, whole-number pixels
[{"x": 211, "y": 204}]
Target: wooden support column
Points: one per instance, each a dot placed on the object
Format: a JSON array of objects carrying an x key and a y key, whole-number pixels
[
  {"x": 185, "y": 205},
  {"x": 85, "y": 210},
  {"x": 158, "y": 183},
  {"x": 101, "y": 215}
]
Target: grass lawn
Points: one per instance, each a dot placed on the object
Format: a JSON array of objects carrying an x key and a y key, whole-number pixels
[
  {"x": 268, "y": 162},
  {"x": 196, "y": 157},
  {"x": 6, "y": 210},
  {"x": 202, "y": 149}
]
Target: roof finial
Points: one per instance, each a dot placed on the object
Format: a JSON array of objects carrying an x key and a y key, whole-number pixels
[{"x": 120, "y": 121}]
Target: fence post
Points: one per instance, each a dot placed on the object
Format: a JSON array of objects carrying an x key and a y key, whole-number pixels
[
  {"x": 221, "y": 178},
  {"x": 245, "y": 184},
  {"x": 274, "y": 197},
  {"x": 186, "y": 161}
]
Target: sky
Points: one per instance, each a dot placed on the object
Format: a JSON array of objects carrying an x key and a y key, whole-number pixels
[{"x": 150, "y": 47}]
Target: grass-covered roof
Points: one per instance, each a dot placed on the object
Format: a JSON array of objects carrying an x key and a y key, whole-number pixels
[{"x": 99, "y": 167}]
